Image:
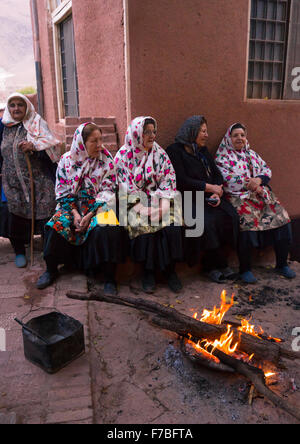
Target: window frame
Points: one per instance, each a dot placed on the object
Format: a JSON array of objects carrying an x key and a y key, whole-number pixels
[
  {"x": 283, "y": 99},
  {"x": 265, "y": 62},
  {"x": 58, "y": 15}
]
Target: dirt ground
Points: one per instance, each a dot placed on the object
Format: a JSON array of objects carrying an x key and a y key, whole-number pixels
[
  {"x": 141, "y": 376},
  {"x": 134, "y": 372}
]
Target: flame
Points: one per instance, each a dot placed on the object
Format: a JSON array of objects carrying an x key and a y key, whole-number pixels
[
  {"x": 274, "y": 339},
  {"x": 217, "y": 314},
  {"x": 268, "y": 374},
  {"x": 224, "y": 343},
  {"x": 246, "y": 327}
]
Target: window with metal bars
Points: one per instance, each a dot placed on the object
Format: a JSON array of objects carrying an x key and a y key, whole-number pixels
[
  {"x": 69, "y": 69},
  {"x": 274, "y": 49}
]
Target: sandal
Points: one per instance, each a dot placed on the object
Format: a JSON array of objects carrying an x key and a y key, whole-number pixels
[
  {"x": 228, "y": 273},
  {"x": 216, "y": 276}
]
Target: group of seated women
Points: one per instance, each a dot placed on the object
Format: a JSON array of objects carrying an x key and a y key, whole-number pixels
[{"x": 239, "y": 206}]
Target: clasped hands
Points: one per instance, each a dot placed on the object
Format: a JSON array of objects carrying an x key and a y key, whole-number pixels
[
  {"x": 81, "y": 223},
  {"x": 155, "y": 212},
  {"x": 254, "y": 184}
]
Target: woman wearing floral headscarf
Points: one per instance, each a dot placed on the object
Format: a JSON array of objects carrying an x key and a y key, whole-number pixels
[
  {"x": 26, "y": 132},
  {"x": 85, "y": 185},
  {"x": 263, "y": 220},
  {"x": 147, "y": 178}
]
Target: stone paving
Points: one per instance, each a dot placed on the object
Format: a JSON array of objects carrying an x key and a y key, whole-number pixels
[{"x": 26, "y": 390}]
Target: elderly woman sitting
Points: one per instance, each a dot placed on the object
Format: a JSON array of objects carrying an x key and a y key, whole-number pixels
[
  {"x": 196, "y": 171},
  {"x": 25, "y": 133},
  {"x": 263, "y": 221},
  {"x": 147, "y": 178},
  {"x": 85, "y": 186}
]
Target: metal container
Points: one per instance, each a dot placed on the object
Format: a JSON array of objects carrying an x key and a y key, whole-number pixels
[{"x": 52, "y": 341}]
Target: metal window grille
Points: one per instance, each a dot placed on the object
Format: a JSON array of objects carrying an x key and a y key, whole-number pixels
[
  {"x": 268, "y": 46},
  {"x": 69, "y": 69}
]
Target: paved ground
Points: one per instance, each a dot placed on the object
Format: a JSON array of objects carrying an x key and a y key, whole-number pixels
[{"x": 133, "y": 372}]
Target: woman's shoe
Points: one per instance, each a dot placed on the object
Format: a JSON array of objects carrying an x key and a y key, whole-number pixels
[
  {"x": 248, "y": 277},
  {"x": 174, "y": 283},
  {"x": 216, "y": 276},
  {"x": 21, "y": 261},
  {"x": 46, "y": 279},
  {"x": 286, "y": 271},
  {"x": 148, "y": 282},
  {"x": 228, "y": 273},
  {"x": 110, "y": 289}
]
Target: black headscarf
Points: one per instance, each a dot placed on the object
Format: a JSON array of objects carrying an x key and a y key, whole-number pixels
[
  {"x": 187, "y": 135},
  {"x": 189, "y": 131}
]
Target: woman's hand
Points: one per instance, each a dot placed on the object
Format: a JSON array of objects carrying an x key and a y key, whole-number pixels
[
  {"x": 253, "y": 183},
  {"x": 84, "y": 224},
  {"x": 214, "y": 189},
  {"x": 76, "y": 219},
  {"x": 26, "y": 147},
  {"x": 217, "y": 197},
  {"x": 260, "y": 191}
]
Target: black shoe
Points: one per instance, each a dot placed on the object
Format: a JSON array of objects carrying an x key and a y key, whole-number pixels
[
  {"x": 110, "y": 289},
  {"x": 148, "y": 282},
  {"x": 216, "y": 276},
  {"x": 174, "y": 283},
  {"x": 46, "y": 279}
]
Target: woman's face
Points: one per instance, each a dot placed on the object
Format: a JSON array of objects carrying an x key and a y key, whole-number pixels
[
  {"x": 17, "y": 108},
  {"x": 93, "y": 144},
  {"x": 238, "y": 138},
  {"x": 202, "y": 136},
  {"x": 149, "y": 135}
]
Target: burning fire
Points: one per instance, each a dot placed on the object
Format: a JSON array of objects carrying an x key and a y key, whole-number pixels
[
  {"x": 217, "y": 314},
  {"x": 246, "y": 327},
  {"x": 226, "y": 342}
]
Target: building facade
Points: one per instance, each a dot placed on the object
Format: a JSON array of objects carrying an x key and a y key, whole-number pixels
[{"x": 230, "y": 60}]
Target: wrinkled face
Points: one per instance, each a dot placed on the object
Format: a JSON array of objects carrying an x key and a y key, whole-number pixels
[
  {"x": 238, "y": 138},
  {"x": 94, "y": 143},
  {"x": 202, "y": 136},
  {"x": 149, "y": 135},
  {"x": 17, "y": 108}
]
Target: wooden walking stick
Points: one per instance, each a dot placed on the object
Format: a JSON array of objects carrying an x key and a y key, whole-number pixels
[{"x": 32, "y": 207}]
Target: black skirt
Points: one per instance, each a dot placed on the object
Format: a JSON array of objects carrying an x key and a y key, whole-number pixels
[
  {"x": 103, "y": 245},
  {"x": 221, "y": 226},
  {"x": 262, "y": 239},
  {"x": 107, "y": 244},
  {"x": 19, "y": 228},
  {"x": 158, "y": 250}
]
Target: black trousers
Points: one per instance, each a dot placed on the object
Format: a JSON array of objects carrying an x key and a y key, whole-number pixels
[{"x": 281, "y": 248}]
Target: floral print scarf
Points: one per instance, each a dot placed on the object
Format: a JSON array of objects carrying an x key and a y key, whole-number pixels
[
  {"x": 140, "y": 170},
  {"x": 76, "y": 171},
  {"x": 236, "y": 166},
  {"x": 37, "y": 129}
]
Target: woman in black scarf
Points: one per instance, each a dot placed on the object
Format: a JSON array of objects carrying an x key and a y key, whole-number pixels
[{"x": 196, "y": 171}]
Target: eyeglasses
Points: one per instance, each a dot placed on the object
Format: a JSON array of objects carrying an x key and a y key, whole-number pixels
[
  {"x": 150, "y": 132},
  {"x": 14, "y": 105}
]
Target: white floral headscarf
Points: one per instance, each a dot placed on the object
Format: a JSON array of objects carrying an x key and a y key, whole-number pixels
[
  {"x": 141, "y": 170},
  {"x": 76, "y": 170},
  {"x": 236, "y": 166},
  {"x": 37, "y": 129}
]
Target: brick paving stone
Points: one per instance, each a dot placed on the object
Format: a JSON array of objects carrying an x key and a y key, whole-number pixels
[{"x": 71, "y": 415}]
